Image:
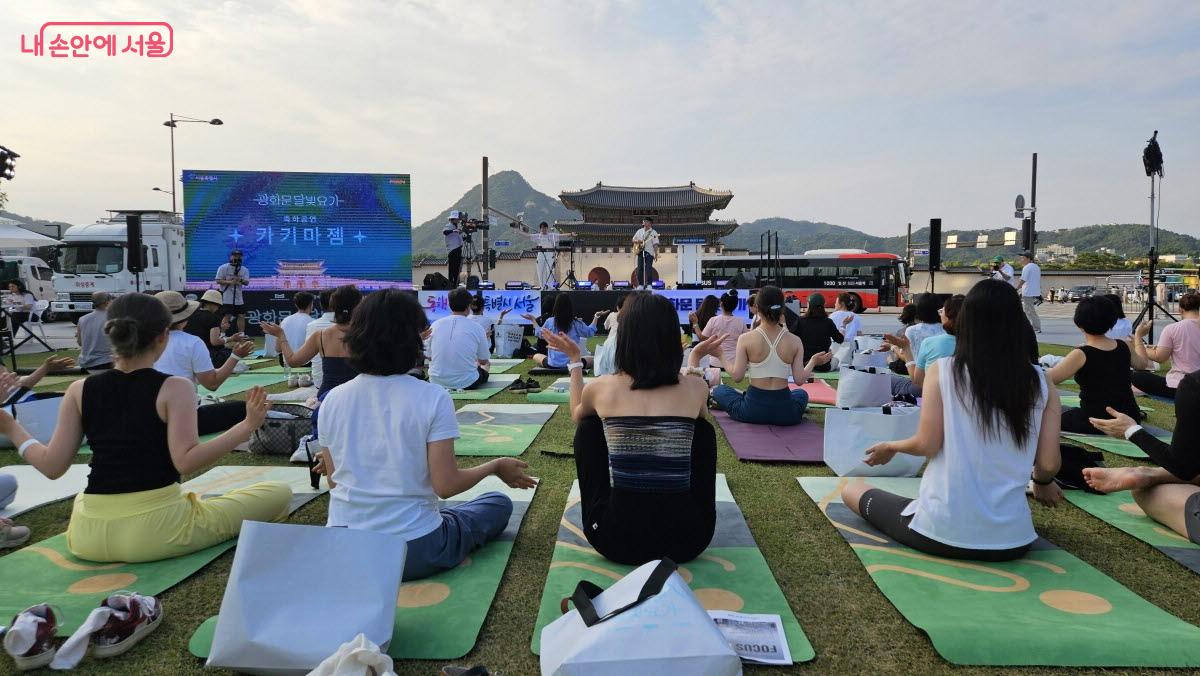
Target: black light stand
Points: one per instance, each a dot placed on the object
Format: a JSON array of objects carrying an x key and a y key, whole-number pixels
[{"x": 1152, "y": 160}]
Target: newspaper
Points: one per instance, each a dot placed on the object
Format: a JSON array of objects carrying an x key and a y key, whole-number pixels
[{"x": 755, "y": 638}]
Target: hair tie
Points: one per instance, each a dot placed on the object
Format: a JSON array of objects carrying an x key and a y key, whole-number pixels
[{"x": 775, "y": 307}]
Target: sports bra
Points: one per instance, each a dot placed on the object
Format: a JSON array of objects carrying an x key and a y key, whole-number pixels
[{"x": 773, "y": 366}]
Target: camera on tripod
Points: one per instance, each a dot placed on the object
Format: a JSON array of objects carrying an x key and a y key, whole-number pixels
[{"x": 471, "y": 225}]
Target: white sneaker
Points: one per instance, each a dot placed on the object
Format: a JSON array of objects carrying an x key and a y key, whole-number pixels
[
  {"x": 293, "y": 380},
  {"x": 305, "y": 380},
  {"x": 12, "y": 535}
]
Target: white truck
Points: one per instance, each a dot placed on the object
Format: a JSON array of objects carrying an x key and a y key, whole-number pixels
[
  {"x": 93, "y": 258},
  {"x": 33, "y": 272}
]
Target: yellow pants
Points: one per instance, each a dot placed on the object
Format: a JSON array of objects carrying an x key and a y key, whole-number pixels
[{"x": 167, "y": 522}]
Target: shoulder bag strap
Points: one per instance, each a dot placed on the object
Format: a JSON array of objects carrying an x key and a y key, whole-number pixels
[{"x": 586, "y": 591}]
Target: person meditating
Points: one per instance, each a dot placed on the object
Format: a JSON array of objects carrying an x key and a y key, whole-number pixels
[
  {"x": 988, "y": 418},
  {"x": 1100, "y": 366},
  {"x": 1178, "y": 342},
  {"x": 458, "y": 347},
  {"x": 815, "y": 329},
  {"x": 729, "y": 327},
  {"x": 645, "y": 455},
  {"x": 563, "y": 320},
  {"x": 328, "y": 343},
  {"x": 141, "y": 425},
  {"x": 769, "y": 355},
  {"x": 388, "y": 443},
  {"x": 933, "y": 348},
  {"x": 1169, "y": 493}
]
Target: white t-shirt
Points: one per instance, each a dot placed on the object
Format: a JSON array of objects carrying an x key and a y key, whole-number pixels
[
  {"x": 185, "y": 356},
  {"x": 322, "y": 322},
  {"x": 455, "y": 350},
  {"x": 650, "y": 239},
  {"x": 1008, "y": 270},
  {"x": 972, "y": 493},
  {"x": 484, "y": 321},
  {"x": 1031, "y": 274},
  {"x": 295, "y": 327},
  {"x": 376, "y": 429},
  {"x": 918, "y": 332},
  {"x": 851, "y": 330},
  {"x": 232, "y": 295},
  {"x": 454, "y": 238},
  {"x": 549, "y": 240}
]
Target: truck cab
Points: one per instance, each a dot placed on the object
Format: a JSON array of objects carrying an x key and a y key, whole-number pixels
[
  {"x": 94, "y": 257},
  {"x": 33, "y": 272}
]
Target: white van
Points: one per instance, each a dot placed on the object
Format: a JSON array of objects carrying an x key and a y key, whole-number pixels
[{"x": 34, "y": 273}]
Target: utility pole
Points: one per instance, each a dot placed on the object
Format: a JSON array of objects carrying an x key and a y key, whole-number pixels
[
  {"x": 1033, "y": 208},
  {"x": 486, "y": 216}
]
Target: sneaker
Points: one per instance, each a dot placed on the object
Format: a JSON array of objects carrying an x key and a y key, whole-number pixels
[
  {"x": 42, "y": 651},
  {"x": 293, "y": 380},
  {"x": 143, "y": 614},
  {"x": 532, "y": 385},
  {"x": 12, "y": 535},
  {"x": 305, "y": 380},
  {"x": 517, "y": 386}
]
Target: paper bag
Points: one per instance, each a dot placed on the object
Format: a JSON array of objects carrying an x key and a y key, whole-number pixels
[{"x": 508, "y": 338}]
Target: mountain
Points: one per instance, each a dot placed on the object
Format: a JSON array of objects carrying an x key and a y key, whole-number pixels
[
  {"x": 509, "y": 192},
  {"x": 799, "y": 236}
]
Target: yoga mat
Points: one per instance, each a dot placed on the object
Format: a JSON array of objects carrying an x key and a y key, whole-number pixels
[
  {"x": 1071, "y": 400},
  {"x": 49, "y": 573},
  {"x": 1117, "y": 446},
  {"x": 730, "y": 575},
  {"x": 489, "y": 389},
  {"x": 770, "y": 443},
  {"x": 242, "y": 382},
  {"x": 301, "y": 395},
  {"x": 559, "y": 392},
  {"x": 1120, "y": 511},
  {"x": 57, "y": 381},
  {"x": 820, "y": 394},
  {"x": 1046, "y": 609},
  {"x": 504, "y": 365},
  {"x": 35, "y": 490},
  {"x": 277, "y": 369},
  {"x": 439, "y": 617},
  {"x": 499, "y": 429},
  {"x": 827, "y": 376}
]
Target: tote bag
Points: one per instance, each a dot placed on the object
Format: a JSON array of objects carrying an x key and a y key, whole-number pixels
[
  {"x": 863, "y": 387},
  {"x": 850, "y": 432}
]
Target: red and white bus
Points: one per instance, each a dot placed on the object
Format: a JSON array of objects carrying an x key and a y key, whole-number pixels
[{"x": 872, "y": 279}]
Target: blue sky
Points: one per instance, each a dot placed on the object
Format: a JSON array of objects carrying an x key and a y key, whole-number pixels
[{"x": 864, "y": 114}]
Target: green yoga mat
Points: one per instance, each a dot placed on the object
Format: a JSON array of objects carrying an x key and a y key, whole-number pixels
[
  {"x": 49, "y": 573},
  {"x": 559, "y": 392},
  {"x": 57, "y": 382},
  {"x": 1046, "y": 609},
  {"x": 1120, "y": 511},
  {"x": 277, "y": 369},
  {"x": 1118, "y": 446},
  {"x": 1072, "y": 401},
  {"x": 504, "y": 365},
  {"x": 827, "y": 376},
  {"x": 242, "y": 382},
  {"x": 493, "y": 386},
  {"x": 499, "y": 429},
  {"x": 730, "y": 575},
  {"x": 439, "y": 617}
]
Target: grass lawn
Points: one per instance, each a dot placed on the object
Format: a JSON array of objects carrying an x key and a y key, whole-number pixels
[{"x": 852, "y": 626}]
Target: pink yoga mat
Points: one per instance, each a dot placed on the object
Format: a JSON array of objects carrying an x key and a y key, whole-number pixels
[
  {"x": 767, "y": 443},
  {"x": 819, "y": 392}
]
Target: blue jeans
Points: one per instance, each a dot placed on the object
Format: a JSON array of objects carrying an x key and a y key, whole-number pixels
[
  {"x": 464, "y": 528},
  {"x": 762, "y": 407},
  {"x": 8, "y": 489},
  {"x": 902, "y": 386}
]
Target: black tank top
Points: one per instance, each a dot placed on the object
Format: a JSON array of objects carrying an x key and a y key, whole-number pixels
[
  {"x": 1104, "y": 381},
  {"x": 128, "y": 439}
]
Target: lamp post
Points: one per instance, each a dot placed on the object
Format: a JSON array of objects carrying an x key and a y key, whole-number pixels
[
  {"x": 158, "y": 189},
  {"x": 172, "y": 123}
]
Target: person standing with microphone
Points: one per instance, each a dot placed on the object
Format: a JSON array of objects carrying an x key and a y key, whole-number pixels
[
  {"x": 454, "y": 243},
  {"x": 645, "y": 243},
  {"x": 232, "y": 277}
]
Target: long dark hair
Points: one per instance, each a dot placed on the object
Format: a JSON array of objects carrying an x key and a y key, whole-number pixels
[
  {"x": 343, "y": 301},
  {"x": 648, "y": 347},
  {"x": 564, "y": 313},
  {"x": 816, "y": 307},
  {"x": 708, "y": 310},
  {"x": 991, "y": 361}
]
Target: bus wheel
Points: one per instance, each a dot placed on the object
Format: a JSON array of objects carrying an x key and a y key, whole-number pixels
[{"x": 856, "y": 304}]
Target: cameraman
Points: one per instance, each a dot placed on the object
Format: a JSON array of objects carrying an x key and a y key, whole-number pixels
[
  {"x": 454, "y": 243},
  {"x": 1001, "y": 271}
]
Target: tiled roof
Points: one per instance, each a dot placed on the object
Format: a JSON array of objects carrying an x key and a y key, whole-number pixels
[
  {"x": 622, "y": 197},
  {"x": 706, "y": 229}
]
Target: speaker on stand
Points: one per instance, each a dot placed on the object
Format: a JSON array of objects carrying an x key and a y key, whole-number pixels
[
  {"x": 935, "y": 249},
  {"x": 135, "y": 262}
]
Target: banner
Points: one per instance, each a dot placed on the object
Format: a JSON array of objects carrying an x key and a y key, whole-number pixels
[
  {"x": 687, "y": 301},
  {"x": 494, "y": 302}
]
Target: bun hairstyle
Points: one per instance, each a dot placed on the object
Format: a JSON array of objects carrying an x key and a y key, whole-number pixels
[
  {"x": 135, "y": 321},
  {"x": 342, "y": 302},
  {"x": 729, "y": 301},
  {"x": 769, "y": 303}
]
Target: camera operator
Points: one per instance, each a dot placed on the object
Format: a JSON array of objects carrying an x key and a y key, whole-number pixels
[
  {"x": 1001, "y": 271},
  {"x": 454, "y": 243}
]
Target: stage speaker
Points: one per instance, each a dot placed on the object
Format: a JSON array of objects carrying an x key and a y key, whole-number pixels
[
  {"x": 1028, "y": 238},
  {"x": 516, "y": 285},
  {"x": 133, "y": 243},
  {"x": 935, "y": 244},
  {"x": 436, "y": 281},
  {"x": 473, "y": 282}
]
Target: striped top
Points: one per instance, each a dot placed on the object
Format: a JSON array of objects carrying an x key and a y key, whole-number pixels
[{"x": 650, "y": 454}]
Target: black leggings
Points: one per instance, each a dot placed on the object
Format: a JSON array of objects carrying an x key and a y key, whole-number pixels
[
  {"x": 1075, "y": 420},
  {"x": 212, "y": 418},
  {"x": 882, "y": 510},
  {"x": 1152, "y": 383}
]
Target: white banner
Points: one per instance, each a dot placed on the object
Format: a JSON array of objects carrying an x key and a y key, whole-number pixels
[{"x": 516, "y": 302}]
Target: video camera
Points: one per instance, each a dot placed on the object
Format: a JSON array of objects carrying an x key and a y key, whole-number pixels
[{"x": 470, "y": 225}]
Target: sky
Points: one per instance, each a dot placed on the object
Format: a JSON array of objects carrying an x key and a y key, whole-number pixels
[{"x": 865, "y": 114}]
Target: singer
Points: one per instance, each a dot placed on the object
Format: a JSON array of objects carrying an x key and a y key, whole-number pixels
[
  {"x": 645, "y": 248},
  {"x": 232, "y": 277}
]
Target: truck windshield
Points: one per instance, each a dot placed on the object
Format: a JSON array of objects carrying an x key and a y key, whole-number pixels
[{"x": 91, "y": 259}]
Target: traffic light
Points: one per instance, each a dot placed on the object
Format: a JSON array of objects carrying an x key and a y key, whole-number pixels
[
  {"x": 491, "y": 259},
  {"x": 8, "y": 163}
]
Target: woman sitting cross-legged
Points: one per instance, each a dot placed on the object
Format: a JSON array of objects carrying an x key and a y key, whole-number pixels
[
  {"x": 1169, "y": 493},
  {"x": 645, "y": 454},
  {"x": 1100, "y": 366},
  {"x": 815, "y": 329},
  {"x": 141, "y": 425},
  {"x": 563, "y": 320},
  {"x": 933, "y": 348},
  {"x": 726, "y": 325},
  {"x": 1178, "y": 342},
  {"x": 988, "y": 419},
  {"x": 769, "y": 355},
  {"x": 388, "y": 446}
]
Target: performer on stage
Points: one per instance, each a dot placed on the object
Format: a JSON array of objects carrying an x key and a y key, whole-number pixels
[
  {"x": 454, "y": 242},
  {"x": 545, "y": 243},
  {"x": 232, "y": 277},
  {"x": 645, "y": 243}
]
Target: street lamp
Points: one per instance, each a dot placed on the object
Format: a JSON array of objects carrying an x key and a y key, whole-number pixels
[
  {"x": 158, "y": 189},
  {"x": 172, "y": 123}
]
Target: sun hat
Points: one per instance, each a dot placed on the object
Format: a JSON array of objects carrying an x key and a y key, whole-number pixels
[
  {"x": 179, "y": 307},
  {"x": 212, "y": 296}
]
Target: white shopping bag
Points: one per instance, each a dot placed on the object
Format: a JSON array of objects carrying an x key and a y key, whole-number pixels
[
  {"x": 850, "y": 432},
  {"x": 844, "y": 354},
  {"x": 870, "y": 359},
  {"x": 864, "y": 343},
  {"x": 275, "y": 621},
  {"x": 647, "y": 623},
  {"x": 857, "y": 387},
  {"x": 508, "y": 339},
  {"x": 38, "y": 416}
]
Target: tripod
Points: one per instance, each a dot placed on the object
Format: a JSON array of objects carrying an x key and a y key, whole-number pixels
[
  {"x": 472, "y": 258},
  {"x": 1152, "y": 158},
  {"x": 570, "y": 281}
]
